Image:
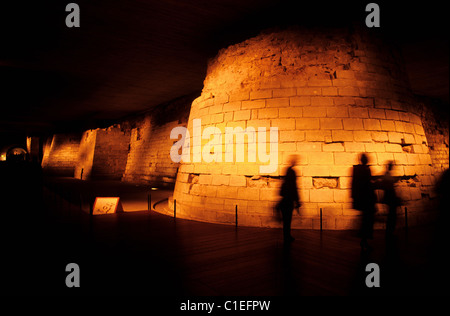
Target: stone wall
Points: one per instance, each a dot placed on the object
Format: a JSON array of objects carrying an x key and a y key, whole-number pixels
[
  {"x": 111, "y": 152},
  {"x": 149, "y": 155},
  {"x": 60, "y": 154},
  {"x": 436, "y": 125},
  {"x": 103, "y": 153},
  {"x": 332, "y": 94},
  {"x": 136, "y": 150},
  {"x": 33, "y": 149},
  {"x": 85, "y": 160}
]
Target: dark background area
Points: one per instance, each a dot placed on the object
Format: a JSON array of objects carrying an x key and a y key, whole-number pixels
[{"x": 129, "y": 56}]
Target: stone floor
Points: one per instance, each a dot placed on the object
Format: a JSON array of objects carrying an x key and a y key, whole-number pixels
[{"x": 147, "y": 253}]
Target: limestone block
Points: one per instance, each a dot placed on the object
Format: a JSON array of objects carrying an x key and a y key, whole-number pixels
[
  {"x": 228, "y": 192},
  {"x": 308, "y": 146},
  {"x": 377, "y": 113},
  {"x": 343, "y": 82},
  {"x": 228, "y": 117},
  {"x": 358, "y": 112},
  {"x": 253, "y": 104},
  {"x": 239, "y": 96},
  {"x": 309, "y": 91},
  {"x": 204, "y": 179},
  {"x": 286, "y": 92},
  {"x": 248, "y": 194},
  {"x": 425, "y": 159},
  {"x": 383, "y": 158},
  {"x": 322, "y": 101},
  {"x": 330, "y": 209},
  {"x": 340, "y": 171},
  {"x": 291, "y": 112},
  {"x": 317, "y": 135},
  {"x": 392, "y": 115},
  {"x": 315, "y": 112},
  {"x": 329, "y": 91},
  {"x": 354, "y": 147},
  {"x": 333, "y": 147},
  {"x": 331, "y": 123},
  {"x": 269, "y": 194},
  {"x": 409, "y": 138},
  {"x": 321, "y": 195},
  {"x": 379, "y": 136},
  {"x": 277, "y": 103},
  {"x": 300, "y": 101},
  {"x": 345, "y": 158},
  {"x": 304, "y": 195},
  {"x": 261, "y": 94},
  {"x": 419, "y": 129},
  {"x": 267, "y": 113},
  {"x": 211, "y": 191},
  {"x": 218, "y": 108},
  {"x": 342, "y": 135},
  {"x": 242, "y": 115},
  {"x": 337, "y": 111},
  {"x": 371, "y": 124},
  {"x": 316, "y": 170},
  {"x": 352, "y": 124},
  {"x": 319, "y": 82},
  {"x": 320, "y": 158},
  {"x": 346, "y": 101},
  {"x": 307, "y": 124},
  {"x": 388, "y": 125},
  {"x": 348, "y": 91},
  {"x": 409, "y": 128},
  {"x": 291, "y": 136},
  {"x": 284, "y": 124},
  {"x": 395, "y": 137},
  {"x": 232, "y": 106},
  {"x": 393, "y": 148},
  {"x": 399, "y": 126},
  {"x": 236, "y": 180}
]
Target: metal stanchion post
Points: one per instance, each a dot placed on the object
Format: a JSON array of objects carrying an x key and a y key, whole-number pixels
[
  {"x": 406, "y": 219},
  {"x": 149, "y": 201},
  {"x": 320, "y": 219},
  {"x": 174, "y": 209}
]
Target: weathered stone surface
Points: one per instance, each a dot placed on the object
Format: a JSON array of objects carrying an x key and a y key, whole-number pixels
[
  {"x": 325, "y": 182},
  {"x": 329, "y": 104}
]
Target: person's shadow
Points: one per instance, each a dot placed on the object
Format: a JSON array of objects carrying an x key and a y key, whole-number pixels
[{"x": 289, "y": 199}]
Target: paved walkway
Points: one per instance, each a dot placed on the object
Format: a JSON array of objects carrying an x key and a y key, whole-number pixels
[
  {"x": 147, "y": 253},
  {"x": 133, "y": 197}
]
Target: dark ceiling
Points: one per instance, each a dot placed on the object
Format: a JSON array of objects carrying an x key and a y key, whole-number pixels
[{"x": 129, "y": 56}]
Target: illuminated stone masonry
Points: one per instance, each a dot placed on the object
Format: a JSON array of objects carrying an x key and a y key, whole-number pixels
[
  {"x": 60, "y": 154},
  {"x": 137, "y": 150},
  {"x": 103, "y": 153},
  {"x": 332, "y": 94},
  {"x": 150, "y": 143},
  {"x": 148, "y": 159}
]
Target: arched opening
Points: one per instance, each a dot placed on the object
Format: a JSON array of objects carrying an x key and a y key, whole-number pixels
[{"x": 16, "y": 154}]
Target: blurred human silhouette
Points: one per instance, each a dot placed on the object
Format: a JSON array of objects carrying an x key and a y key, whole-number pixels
[
  {"x": 391, "y": 199},
  {"x": 289, "y": 198},
  {"x": 363, "y": 196}
]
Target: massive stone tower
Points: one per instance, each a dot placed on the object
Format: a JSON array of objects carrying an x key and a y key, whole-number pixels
[{"x": 332, "y": 94}]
